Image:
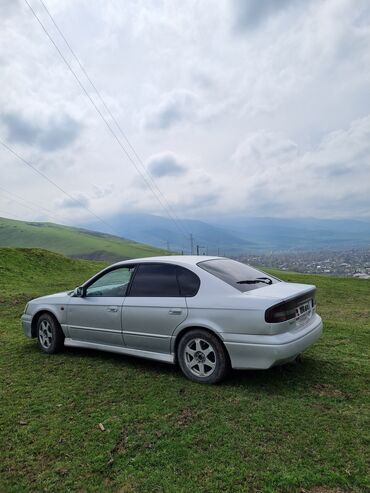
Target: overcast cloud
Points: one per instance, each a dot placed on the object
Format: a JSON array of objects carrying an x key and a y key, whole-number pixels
[
  {"x": 55, "y": 133},
  {"x": 165, "y": 164},
  {"x": 255, "y": 108}
]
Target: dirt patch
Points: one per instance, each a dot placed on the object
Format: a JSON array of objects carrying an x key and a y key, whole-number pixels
[
  {"x": 185, "y": 417},
  {"x": 328, "y": 390},
  {"x": 119, "y": 447}
]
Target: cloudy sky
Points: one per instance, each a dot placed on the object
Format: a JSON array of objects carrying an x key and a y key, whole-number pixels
[{"x": 253, "y": 107}]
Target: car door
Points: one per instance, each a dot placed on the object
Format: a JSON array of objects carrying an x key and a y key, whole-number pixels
[
  {"x": 153, "y": 308},
  {"x": 96, "y": 316}
]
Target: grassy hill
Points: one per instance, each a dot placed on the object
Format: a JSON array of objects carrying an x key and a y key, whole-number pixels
[
  {"x": 74, "y": 242},
  {"x": 297, "y": 428}
]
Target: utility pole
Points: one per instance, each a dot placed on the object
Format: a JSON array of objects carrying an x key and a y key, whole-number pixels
[
  {"x": 168, "y": 245},
  {"x": 198, "y": 248},
  {"x": 191, "y": 244}
]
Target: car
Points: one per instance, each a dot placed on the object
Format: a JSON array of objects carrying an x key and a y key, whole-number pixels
[{"x": 207, "y": 314}]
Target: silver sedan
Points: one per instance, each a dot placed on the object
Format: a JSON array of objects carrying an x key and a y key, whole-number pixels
[{"x": 205, "y": 313}]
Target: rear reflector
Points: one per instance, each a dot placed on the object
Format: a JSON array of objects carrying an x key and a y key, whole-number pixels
[{"x": 287, "y": 310}]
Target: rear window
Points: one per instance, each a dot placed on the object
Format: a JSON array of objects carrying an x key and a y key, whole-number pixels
[
  {"x": 188, "y": 282},
  {"x": 241, "y": 276}
]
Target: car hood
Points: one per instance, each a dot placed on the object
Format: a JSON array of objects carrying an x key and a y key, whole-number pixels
[
  {"x": 280, "y": 291},
  {"x": 53, "y": 298}
]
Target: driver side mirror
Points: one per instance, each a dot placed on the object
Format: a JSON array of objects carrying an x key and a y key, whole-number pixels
[{"x": 79, "y": 292}]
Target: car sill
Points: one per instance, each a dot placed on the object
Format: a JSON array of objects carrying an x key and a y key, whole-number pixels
[{"x": 165, "y": 358}]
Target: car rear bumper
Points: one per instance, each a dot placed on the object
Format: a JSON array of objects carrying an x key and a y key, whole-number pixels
[
  {"x": 27, "y": 324},
  {"x": 262, "y": 352}
]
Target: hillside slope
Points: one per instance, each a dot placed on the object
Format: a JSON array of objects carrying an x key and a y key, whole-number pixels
[
  {"x": 74, "y": 242},
  {"x": 29, "y": 271}
]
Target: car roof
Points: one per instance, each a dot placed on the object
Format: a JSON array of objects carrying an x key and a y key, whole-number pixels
[{"x": 170, "y": 259}]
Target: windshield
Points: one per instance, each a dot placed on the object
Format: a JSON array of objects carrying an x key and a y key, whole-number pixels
[{"x": 241, "y": 276}]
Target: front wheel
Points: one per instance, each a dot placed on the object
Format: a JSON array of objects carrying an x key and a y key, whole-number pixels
[
  {"x": 49, "y": 334},
  {"x": 202, "y": 357}
]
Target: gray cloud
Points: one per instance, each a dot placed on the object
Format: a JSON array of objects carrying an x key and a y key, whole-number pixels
[
  {"x": 249, "y": 14},
  {"x": 173, "y": 108},
  {"x": 328, "y": 180},
  {"x": 165, "y": 164},
  {"x": 103, "y": 192},
  {"x": 8, "y": 7},
  {"x": 335, "y": 170},
  {"x": 262, "y": 150},
  {"x": 203, "y": 200},
  {"x": 80, "y": 201},
  {"x": 54, "y": 134}
]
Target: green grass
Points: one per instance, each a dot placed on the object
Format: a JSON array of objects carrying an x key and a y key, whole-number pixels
[
  {"x": 297, "y": 428},
  {"x": 73, "y": 242}
]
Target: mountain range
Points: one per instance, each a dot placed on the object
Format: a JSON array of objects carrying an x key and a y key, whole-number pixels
[
  {"x": 234, "y": 235},
  {"x": 151, "y": 235}
]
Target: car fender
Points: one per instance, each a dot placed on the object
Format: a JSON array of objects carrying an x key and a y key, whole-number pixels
[
  {"x": 58, "y": 312},
  {"x": 194, "y": 323}
]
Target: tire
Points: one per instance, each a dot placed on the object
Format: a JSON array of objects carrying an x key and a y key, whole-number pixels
[
  {"x": 50, "y": 336},
  {"x": 202, "y": 357}
]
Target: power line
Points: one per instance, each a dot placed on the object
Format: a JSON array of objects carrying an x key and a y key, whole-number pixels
[
  {"x": 191, "y": 244},
  {"x": 33, "y": 205},
  {"x": 25, "y": 205},
  {"x": 101, "y": 114},
  {"x": 28, "y": 203},
  {"x": 81, "y": 204},
  {"x": 111, "y": 114},
  {"x": 12, "y": 214}
]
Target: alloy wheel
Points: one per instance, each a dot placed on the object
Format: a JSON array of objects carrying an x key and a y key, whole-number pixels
[
  {"x": 200, "y": 357},
  {"x": 45, "y": 334}
]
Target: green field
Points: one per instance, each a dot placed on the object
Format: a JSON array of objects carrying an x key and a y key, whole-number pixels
[
  {"x": 298, "y": 428},
  {"x": 73, "y": 242}
]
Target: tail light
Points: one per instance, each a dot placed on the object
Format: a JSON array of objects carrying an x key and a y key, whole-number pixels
[{"x": 287, "y": 310}]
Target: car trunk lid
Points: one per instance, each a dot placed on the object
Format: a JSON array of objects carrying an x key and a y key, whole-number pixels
[{"x": 280, "y": 291}]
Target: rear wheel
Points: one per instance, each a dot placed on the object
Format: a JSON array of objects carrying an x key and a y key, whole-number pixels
[
  {"x": 202, "y": 357},
  {"x": 49, "y": 334}
]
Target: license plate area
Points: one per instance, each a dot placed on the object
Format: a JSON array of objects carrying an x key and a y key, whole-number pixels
[{"x": 304, "y": 311}]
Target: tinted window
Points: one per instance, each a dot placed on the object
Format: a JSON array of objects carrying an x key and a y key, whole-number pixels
[
  {"x": 155, "y": 280},
  {"x": 114, "y": 283},
  {"x": 188, "y": 282},
  {"x": 241, "y": 276}
]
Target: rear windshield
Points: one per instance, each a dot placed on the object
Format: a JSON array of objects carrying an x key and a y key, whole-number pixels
[{"x": 241, "y": 276}]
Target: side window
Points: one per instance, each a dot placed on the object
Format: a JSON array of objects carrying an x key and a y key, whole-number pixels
[
  {"x": 188, "y": 282},
  {"x": 155, "y": 280},
  {"x": 112, "y": 284}
]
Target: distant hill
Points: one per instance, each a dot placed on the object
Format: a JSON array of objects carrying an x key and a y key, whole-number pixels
[
  {"x": 299, "y": 234},
  {"x": 158, "y": 231},
  {"x": 73, "y": 242},
  {"x": 234, "y": 235}
]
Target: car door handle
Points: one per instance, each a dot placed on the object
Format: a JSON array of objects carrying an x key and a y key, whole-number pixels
[
  {"x": 175, "y": 311},
  {"x": 112, "y": 308}
]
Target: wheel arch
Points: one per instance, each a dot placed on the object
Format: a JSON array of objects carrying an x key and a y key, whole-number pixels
[
  {"x": 185, "y": 330},
  {"x": 36, "y": 317}
]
